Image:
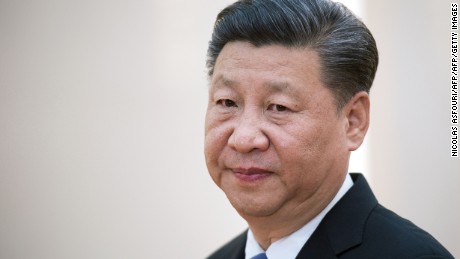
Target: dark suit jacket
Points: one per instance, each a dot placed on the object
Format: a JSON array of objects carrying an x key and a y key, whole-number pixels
[{"x": 357, "y": 227}]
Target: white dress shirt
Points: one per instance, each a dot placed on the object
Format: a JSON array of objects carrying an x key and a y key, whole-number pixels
[{"x": 289, "y": 246}]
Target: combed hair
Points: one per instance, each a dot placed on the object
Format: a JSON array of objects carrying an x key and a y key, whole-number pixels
[{"x": 346, "y": 48}]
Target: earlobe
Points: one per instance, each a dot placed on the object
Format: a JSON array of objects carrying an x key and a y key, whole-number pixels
[{"x": 357, "y": 115}]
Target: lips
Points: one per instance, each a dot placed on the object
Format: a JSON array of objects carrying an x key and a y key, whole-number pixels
[{"x": 251, "y": 174}]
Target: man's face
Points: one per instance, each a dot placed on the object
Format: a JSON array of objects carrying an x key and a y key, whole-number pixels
[{"x": 274, "y": 141}]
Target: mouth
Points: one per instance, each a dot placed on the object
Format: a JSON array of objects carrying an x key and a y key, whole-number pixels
[{"x": 251, "y": 174}]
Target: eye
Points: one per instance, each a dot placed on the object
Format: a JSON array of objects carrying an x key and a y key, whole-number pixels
[
  {"x": 277, "y": 108},
  {"x": 227, "y": 103}
]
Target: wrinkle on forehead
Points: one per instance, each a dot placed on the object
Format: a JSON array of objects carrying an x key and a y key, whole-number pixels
[
  {"x": 244, "y": 55},
  {"x": 273, "y": 86}
]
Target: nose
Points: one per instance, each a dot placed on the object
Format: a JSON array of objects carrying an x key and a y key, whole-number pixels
[{"x": 248, "y": 135}]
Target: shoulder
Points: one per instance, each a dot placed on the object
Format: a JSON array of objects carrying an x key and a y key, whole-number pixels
[
  {"x": 395, "y": 236},
  {"x": 377, "y": 231},
  {"x": 233, "y": 249}
]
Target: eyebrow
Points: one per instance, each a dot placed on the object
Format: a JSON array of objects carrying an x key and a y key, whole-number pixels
[
  {"x": 281, "y": 86},
  {"x": 224, "y": 81}
]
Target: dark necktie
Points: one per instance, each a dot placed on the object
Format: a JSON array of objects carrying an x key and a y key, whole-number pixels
[{"x": 260, "y": 256}]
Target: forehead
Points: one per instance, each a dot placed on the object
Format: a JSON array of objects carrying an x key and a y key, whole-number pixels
[
  {"x": 244, "y": 53},
  {"x": 277, "y": 65}
]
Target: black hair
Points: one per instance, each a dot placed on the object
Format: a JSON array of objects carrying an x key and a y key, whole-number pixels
[{"x": 347, "y": 50}]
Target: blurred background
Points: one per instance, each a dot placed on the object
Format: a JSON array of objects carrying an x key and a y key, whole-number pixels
[{"x": 102, "y": 108}]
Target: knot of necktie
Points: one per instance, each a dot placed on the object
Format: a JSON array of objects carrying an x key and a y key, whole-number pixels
[{"x": 260, "y": 256}]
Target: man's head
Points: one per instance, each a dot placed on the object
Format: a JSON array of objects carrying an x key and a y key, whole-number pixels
[
  {"x": 347, "y": 50},
  {"x": 287, "y": 103}
]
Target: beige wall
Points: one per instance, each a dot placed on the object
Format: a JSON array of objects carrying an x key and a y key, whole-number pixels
[
  {"x": 101, "y": 131},
  {"x": 409, "y": 142},
  {"x": 101, "y": 127}
]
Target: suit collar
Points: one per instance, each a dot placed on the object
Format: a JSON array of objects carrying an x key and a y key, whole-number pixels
[{"x": 342, "y": 228}]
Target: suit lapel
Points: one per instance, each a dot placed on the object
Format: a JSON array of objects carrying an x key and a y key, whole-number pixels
[
  {"x": 342, "y": 228},
  {"x": 233, "y": 249},
  {"x": 237, "y": 247}
]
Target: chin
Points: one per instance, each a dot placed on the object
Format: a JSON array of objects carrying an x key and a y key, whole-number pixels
[
  {"x": 254, "y": 208},
  {"x": 255, "y": 213}
]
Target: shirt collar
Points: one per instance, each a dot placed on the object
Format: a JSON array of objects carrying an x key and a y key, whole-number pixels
[{"x": 289, "y": 246}]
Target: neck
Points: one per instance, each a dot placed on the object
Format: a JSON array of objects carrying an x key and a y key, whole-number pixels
[{"x": 269, "y": 229}]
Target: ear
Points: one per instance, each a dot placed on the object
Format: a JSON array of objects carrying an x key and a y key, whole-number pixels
[{"x": 356, "y": 113}]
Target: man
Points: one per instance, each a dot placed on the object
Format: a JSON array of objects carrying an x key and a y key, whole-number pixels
[{"x": 288, "y": 102}]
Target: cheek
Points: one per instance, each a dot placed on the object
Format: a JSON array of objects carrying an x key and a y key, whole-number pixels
[
  {"x": 211, "y": 158},
  {"x": 214, "y": 143},
  {"x": 323, "y": 151},
  {"x": 209, "y": 136},
  {"x": 210, "y": 148},
  {"x": 309, "y": 146}
]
